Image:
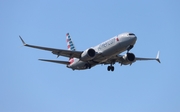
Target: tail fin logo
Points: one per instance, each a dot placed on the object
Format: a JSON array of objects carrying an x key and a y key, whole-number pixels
[{"x": 70, "y": 44}]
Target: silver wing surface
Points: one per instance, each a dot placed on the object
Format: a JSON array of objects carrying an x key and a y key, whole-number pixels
[
  {"x": 119, "y": 59},
  {"x": 58, "y": 52},
  {"x": 55, "y": 61},
  {"x": 144, "y": 59}
]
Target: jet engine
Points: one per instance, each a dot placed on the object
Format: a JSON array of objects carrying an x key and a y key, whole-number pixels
[
  {"x": 88, "y": 54},
  {"x": 128, "y": 58}
]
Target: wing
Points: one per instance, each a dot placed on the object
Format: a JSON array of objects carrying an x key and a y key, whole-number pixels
[
  {"x": 119, "y": 59},
  {"x": 55, "y": 61},
  {"x": 58, "y": 52},
  {"x": 157, "y": 58}
]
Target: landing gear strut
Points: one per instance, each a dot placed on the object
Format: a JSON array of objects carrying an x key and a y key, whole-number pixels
[{"x": 129, "y": 48}]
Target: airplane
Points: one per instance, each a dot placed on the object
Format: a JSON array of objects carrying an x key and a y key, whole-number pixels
[{"x": 107, "y": 53}]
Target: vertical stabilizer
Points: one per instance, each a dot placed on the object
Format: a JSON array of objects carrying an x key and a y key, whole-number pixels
[{"x": 70, "y": 44}]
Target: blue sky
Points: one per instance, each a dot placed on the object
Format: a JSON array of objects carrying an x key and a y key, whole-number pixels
[{"x": 27, "y": 84}]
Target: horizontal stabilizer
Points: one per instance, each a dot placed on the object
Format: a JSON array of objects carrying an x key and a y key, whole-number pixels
[{"x": 55, "y": 61}]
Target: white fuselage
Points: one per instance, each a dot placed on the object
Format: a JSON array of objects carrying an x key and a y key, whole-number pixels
[{"x": 107, "y": 49}]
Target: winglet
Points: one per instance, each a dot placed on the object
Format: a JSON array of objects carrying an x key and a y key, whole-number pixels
[
  {"x": 157, "y": 57},
  {"x": 22, "y": 40}
]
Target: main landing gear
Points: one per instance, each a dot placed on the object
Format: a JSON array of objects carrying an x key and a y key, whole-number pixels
[
  {"x": 110, "y": 68},
  {"x": 88, "y": 66}
]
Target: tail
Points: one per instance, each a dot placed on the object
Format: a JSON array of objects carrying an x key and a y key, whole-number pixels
[{"x": 70, "y": 44}]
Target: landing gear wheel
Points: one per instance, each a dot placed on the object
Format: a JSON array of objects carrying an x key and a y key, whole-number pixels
[
  {"x": 110, "y": 68},
  {"x": 88, "y": 66}
]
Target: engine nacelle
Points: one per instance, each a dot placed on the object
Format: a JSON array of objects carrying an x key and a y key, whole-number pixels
[
  {"x": 128, "y": 58},
  {"x": 88, "y": 54}
]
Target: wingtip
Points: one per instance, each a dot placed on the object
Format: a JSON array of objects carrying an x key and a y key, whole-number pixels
[
  {"x": 157, "y": 57},
  {"x": 22, "y": 40}
]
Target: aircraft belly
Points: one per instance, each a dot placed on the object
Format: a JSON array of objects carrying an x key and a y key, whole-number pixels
[{"x": 80, "y": 65}]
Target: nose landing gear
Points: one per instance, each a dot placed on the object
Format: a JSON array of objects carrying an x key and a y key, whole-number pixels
[
  {"x": 129, "y": 48},
  {"x": 110, "y": 68}
]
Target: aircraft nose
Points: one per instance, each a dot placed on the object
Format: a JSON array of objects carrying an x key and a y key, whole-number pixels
[
  {"x": 132, "y": 35},
  {"x": 135, "y": 37}
]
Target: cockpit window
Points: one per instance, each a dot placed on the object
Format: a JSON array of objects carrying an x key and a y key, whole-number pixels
[{"x": 131, "y": 34}]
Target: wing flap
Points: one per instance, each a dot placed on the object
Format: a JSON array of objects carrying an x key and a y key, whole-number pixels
[{"x": 55, "y": 61}]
